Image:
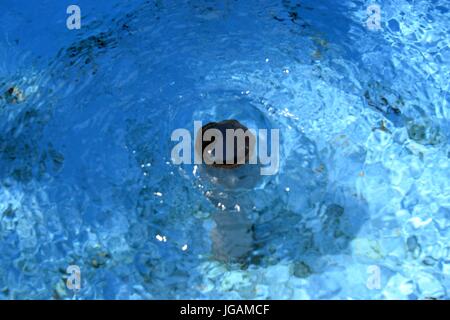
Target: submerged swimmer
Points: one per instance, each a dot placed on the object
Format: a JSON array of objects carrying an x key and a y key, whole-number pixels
[{"x": 232, "y": 237}]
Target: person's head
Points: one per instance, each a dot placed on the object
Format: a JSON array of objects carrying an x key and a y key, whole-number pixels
[
  {"x": 232, "y": 168},
  {"x": 227, "y": 144}
]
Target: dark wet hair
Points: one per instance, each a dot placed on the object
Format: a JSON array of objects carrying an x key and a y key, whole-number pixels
[{"x": 222, "y": 126}]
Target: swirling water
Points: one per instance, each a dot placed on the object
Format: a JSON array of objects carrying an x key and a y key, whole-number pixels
[{"x": 359, "y": 209}]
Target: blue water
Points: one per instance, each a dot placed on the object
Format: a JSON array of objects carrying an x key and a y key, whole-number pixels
[{"x": 360, "y": 208}]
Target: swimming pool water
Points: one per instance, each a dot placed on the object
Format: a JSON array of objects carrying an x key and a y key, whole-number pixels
[{"x": 360, "y": 207}]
